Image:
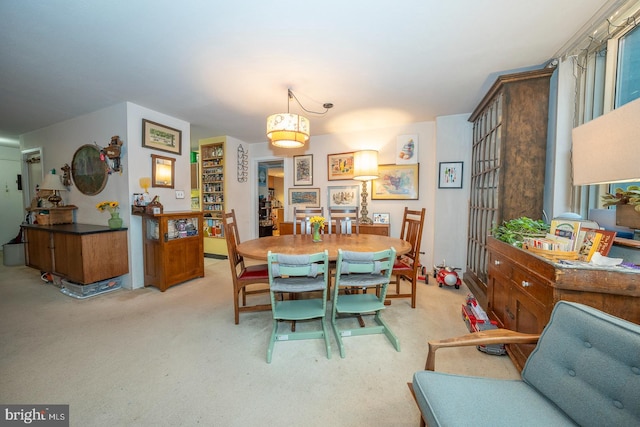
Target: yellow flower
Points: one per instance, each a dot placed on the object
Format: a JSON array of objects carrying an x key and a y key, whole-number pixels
[
  {"x": 317, "y": 220},
  {"x": 111, "y": 206}
]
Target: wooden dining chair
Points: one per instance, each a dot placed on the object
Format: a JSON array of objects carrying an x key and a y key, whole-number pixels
[
  {"x": 342, "y": 220},
  {"x": 298, "y": 274},
  {"x": 246, "y": 278},
  {"x": 301, "y": 219},
  {"x": 407, "y": 266}
]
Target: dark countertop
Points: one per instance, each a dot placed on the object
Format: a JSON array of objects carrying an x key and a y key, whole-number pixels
[{"x": 74, "y": 228}]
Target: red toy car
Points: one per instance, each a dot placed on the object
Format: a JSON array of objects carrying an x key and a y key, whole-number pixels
[{"x": 445, "y": 275}]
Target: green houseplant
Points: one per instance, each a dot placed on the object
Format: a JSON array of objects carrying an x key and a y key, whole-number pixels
[
  {"x": 515, "y": 230},
  {"x": 630, "y": 196}
]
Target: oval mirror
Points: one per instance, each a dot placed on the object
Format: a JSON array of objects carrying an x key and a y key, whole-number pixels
[{"x": 88, "y": 170}]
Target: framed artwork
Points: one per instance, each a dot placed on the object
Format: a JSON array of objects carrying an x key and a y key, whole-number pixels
[
  {"x": 304, "y": 197},
  {"x": 450, "y": 175},
  {"x": 161, "y": 137},
  {"x": 89, "y": 170},
  {"x": 340, "y": 166},
  {"x": 380, "y": 218},
  {"x": 396, "y": 182},
  {"x": 163, "y": 171},
  {"x": 343, "y": 196},
  {"x": 303, "y": 170},
  {"x": 407, "y": 149}
]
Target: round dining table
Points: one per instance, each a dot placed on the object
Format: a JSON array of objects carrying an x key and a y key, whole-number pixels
[{"x": 303, "y": 244}]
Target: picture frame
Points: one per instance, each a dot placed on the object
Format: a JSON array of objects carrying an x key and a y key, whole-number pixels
[
  {"x": 396, "y": 182},
  {"x": 303, "y": 170},
  {"x": 163, "y": 171},
  {"x": 407, "y": 149},
  {"x": 450, "y": 175},
  {"x": 161, "y": 137},
  {"x": 380, "y": 218},
  {"x": 342, "y": 196},
  {"x": 340, "y": 166},
  {"x": 304, "y": 197}
]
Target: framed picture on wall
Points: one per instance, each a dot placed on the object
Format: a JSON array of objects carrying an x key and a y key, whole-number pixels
[
  {"x": 304, "y": 197},
  {"x": 396, "y": 182},
  {"x": 380, "y": 218},
  {"x": 303, "y": 170},
  {"x": 343, "y": 196},
  {"x": 450, "y": 175},
  {"x": 340, "y": 166},
  {"x": 407, "y": 149},
  {"x": 161, "y": 137}
]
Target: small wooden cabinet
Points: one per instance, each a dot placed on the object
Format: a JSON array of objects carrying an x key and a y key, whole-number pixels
[
  {"x": 81, "y": 253},
  {"x": 172, "y": 248},
  {"x": 523, "y": 289}
]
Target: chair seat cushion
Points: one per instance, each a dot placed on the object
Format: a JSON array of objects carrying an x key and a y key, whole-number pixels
[
  {"x": 259, "y": 271},
  {"x": 399, "y": 265},
  {"x": 446, "y": 400}
]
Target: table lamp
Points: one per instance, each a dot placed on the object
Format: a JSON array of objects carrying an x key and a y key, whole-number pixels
[
  {"x": 365, "y": 168},
  {"x": 145, "y": 183},
  {"x": 52, "y": 183}
]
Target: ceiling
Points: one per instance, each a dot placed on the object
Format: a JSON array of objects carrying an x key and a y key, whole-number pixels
[{"x": 225, "y": 66}]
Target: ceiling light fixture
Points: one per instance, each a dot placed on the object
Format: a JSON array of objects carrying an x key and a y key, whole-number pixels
[{"x": 287, "y": 130}]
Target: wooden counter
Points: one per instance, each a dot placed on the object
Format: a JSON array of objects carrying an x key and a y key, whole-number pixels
[{"x": 81, "y": 253}]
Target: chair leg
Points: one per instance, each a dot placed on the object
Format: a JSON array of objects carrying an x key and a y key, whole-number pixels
[
  {"x": 327, "y": 344},
  {"x": 387, "y": 331},
  {"x": 272, "y": 340},
  {"x": 336, "y": 332},
  {"x": 236, "y": 305}
]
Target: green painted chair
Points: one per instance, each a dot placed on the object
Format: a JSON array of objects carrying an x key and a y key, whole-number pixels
[
  {"x": 297, "y": 275},
  {"x": 355, "y": 273}
]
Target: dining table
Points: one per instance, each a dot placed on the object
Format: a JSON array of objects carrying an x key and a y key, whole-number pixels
[{"x": 294, "y": 244}]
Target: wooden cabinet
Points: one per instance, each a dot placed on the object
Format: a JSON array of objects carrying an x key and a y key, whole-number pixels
[
  {"x": 172, "y": 248},
  {"x": 81, "y": 253},
  {"x": 508, "y": 163},
  {"x": 523, "y": 289},
  {"x": 378, "y": 229},
  {"x": 212, "y": 195}
]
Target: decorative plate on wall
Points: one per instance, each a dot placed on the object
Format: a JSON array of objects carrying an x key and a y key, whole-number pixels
[{"x": 89, "y": 171}]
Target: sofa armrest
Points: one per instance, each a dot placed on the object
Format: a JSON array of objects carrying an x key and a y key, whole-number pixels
[{"x": 490, "y": 336}]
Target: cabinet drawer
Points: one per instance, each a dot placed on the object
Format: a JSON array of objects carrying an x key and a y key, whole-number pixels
[
  {"x": 528, "y": 285},
  {"x": 499, "y": 265}
]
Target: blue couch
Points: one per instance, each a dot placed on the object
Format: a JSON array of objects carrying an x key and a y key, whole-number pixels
[{"x": 585, "y": 370}]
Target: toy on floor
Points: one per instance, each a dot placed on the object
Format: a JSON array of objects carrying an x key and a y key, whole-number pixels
[
  {"x": 445, "y": 275},
  {"x": 477, "y": 320}
]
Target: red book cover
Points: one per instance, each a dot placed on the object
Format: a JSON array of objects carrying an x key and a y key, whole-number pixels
[{"x": 604, "y": 246}]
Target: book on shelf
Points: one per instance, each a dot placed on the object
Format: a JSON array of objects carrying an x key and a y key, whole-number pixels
[
  {"x": 550, "y": 243},
  {"x": 566, "y": 228},
  {"x": 589, "y": 239}
]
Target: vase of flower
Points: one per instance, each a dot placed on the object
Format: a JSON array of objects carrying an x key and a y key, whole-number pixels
[
  {"x": 317, "y": 222},
  {"x": 316, "y": 232},
  {"x": 115, "y": 221}
]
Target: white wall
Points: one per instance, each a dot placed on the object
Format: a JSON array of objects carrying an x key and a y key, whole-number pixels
[
  {"x": 451, "y": 209},
  {"x": 11, "y": 210},
  {"x": 383, "y": 140}
]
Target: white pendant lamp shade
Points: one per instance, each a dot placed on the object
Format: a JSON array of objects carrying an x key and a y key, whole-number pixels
[{"x": 288, "y": 130}]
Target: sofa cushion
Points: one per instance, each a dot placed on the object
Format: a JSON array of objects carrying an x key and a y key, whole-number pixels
[
  {"x": 454, "y": 400},
  {"x": 588, "y": 363}
]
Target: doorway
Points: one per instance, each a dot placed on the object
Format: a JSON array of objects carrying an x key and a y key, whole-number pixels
[{"x": 270, "y": 197}]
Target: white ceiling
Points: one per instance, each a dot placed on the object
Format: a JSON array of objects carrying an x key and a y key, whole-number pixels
[{"x": 224, "y": 66}]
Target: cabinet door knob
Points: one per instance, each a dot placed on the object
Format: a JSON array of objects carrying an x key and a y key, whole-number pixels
[
  {"x": 496, "y": 262},
  {"x": 525, "y": 284}
]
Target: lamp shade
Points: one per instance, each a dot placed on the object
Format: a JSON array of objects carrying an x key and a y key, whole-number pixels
[
  {"x": 365, "y": 165},
  {"x": 287, "y": 130},
  {"x": 52, "y": 182},
  {"x": 607, "y": 149}
]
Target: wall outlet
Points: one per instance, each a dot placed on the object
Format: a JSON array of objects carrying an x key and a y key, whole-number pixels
[{"x": 179, "y": 194}]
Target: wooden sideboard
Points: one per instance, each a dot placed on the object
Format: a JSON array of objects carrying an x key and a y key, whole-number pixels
[
  {"x": 523, "y": 288},
  {"x": 82, "y": 253},
  {"x": 377, "y": 229}
]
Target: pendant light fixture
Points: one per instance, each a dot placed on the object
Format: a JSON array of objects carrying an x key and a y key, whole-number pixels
[{"x": 287, "y": 130}]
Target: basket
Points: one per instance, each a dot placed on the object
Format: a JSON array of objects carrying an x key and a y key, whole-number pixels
[
  {"x": 53, "y": 217},
  {"x": 552, "y": 255}
]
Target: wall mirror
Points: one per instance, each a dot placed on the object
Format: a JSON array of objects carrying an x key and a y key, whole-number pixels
[
  {"x": 88, "y": 170},
  {"x": 162, "y": 171}
]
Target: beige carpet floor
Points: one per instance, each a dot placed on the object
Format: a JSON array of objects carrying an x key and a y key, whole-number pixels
[{"x": 147, "y": 358}]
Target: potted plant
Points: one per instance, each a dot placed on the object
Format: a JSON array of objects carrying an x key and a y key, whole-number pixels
[
  {"x": 516, "y": 230},
  {"x": 627, "y": 203}
]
